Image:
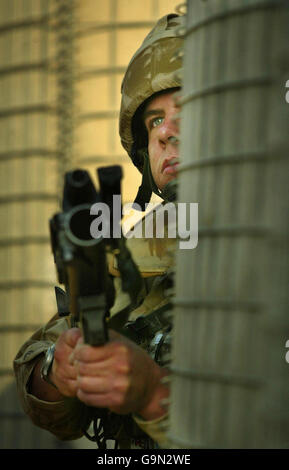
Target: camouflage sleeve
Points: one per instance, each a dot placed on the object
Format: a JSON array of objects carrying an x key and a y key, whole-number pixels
[
  {"x": 61, "y": 418},
  {"x": 156, "y": 429}
]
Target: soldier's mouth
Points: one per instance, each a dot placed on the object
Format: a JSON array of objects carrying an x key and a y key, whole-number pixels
[{"x": 170, "y": 165}]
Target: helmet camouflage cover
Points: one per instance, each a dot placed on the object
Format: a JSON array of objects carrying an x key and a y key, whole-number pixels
[{"x": 154, "y": 67}]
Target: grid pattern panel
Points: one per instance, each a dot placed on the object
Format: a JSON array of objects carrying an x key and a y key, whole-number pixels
[{"x": 53, "y": 118}]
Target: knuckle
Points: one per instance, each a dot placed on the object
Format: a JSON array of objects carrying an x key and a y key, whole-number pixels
[
  {"x": 82, "y": 368},
  {"x": 123, "y": 368},
  {"x": 82, "y": 382},
  {"x": 119, "y": 347},
  {"x": 121, "y": 387},
  {"x": 69, "y": 392},
  {"x": 84, "y": 353},
  {"x": 123, "y": 355},
  {"x": 117, "y": 401}
]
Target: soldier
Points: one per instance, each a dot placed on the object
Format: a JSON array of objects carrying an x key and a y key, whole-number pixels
[{"x": 63, "y": 383}]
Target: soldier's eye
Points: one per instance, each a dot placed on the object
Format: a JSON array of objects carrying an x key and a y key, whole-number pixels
[{"x": 156, "y": 121}]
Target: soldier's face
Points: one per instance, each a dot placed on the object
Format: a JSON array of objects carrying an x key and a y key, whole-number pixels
[{"x": 163, "y": 130}]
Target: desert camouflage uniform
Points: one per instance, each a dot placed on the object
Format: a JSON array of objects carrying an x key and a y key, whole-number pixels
[{"x": 68, "y": 418}]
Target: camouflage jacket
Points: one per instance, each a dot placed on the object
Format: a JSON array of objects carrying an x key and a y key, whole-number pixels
[{"x": 69, "y": 418}]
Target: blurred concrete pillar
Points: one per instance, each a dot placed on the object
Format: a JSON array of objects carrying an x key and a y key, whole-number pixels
[{"x": 230, "y": 378}]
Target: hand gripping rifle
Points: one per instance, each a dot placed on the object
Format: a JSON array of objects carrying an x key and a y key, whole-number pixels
[{"x": 81, "y": 260}]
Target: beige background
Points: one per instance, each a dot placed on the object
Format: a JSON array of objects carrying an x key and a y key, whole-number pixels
[{"x": 33, "y": 54}]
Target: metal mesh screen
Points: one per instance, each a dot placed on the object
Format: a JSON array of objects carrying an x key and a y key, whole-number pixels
[{"x": 61, "y": 65}]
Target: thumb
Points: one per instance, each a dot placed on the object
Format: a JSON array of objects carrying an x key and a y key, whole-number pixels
[{"x": 72, "y": 336}]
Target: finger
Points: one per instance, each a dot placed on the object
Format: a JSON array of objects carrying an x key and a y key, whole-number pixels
[
  {"x": 86, "y": 353},
  {"x": 94, "y": 385},
  {"x": 102, "y": 368},
  {"x": 72, "y": 359},
  {"x": 68, "y": 387},
  {"x": 63, "y": 372},
  {"x": 101, "y": 400},
  {"x": 110, "y": 383},
  {"x": 69, "y": 372},
  {"x": 72, "y": 336},
  {"x": 93, "y": 399}
]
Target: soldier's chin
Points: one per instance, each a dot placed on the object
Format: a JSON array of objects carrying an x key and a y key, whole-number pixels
[
  {"x": 167, "y": 178},
  {"x": 169, "y": 192}
]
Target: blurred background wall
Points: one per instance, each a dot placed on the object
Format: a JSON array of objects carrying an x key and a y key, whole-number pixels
[{"x": 61, "y": 66}]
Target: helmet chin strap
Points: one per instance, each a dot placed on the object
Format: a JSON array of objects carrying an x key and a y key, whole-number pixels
[
  {"x": 148, "y": 186},
  {"x": 169, "y": 193}
]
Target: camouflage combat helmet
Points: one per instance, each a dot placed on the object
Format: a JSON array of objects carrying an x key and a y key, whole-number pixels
[{"x": 156, "y": 66}]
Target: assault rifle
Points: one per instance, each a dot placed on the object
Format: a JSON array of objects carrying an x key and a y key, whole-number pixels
[{"x": 81, "y": 260}]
